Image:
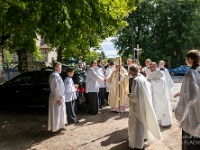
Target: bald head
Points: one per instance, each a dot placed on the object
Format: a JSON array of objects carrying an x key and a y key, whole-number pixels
[
  {"x": 152, "y": 63},
  {"x": 133, "y": 70}
]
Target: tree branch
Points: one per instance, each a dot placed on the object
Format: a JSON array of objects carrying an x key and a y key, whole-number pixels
[{"x": 11, "y": 4}]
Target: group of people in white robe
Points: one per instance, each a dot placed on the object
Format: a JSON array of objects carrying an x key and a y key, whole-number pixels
[
  {"x": 148, "y": 98},
  {"x": 110, "y": 84},
  {"x": 62, "y": 100},
  {"x": 150, "y": 103}
]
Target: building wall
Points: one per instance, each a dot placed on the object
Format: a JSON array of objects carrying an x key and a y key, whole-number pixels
[{"x": 52, "y": 54}]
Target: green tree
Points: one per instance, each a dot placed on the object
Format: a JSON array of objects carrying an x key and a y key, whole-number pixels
[
  {"x": 7, "y": 61},
  {"x": 92, "y": 55},
  {"x": 70, "y": 26},
  {"x": 162, "y": 29}
]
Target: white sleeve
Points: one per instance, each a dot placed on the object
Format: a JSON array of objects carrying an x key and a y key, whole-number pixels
[
  {"x": 192, "y": 90},
  {"x": 188, "y": 96},
  {"x": 94, "y": 76},
  {"x": 55, "y": 87},
  {"x": 122, "y": 78},
  {"x": 69, "y": 87},
  {"x": 171, "y": 82}
]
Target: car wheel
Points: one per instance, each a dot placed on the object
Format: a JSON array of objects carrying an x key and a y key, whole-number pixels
[{"x": 172, "y": 73}]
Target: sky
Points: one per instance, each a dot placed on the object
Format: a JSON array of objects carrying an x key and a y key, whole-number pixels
[{"x": 108, "y": 48}]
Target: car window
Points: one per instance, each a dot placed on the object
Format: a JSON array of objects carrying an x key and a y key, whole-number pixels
[
  {"x": 42, "y": 78},
  {"x": 23, "y": 79},
  {"x": 77, "y": 78}
]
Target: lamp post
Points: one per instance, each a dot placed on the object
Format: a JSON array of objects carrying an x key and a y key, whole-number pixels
[{"x": 138, "y": 51}]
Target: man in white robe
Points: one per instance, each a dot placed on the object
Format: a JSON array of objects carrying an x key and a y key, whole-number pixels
[
  {"x": 128, "y": 62},
  {"x": 187, "y": 110},
  {"x": 143, "y": 124},
  {"x": 57, "y": 109},
  {"x": 101, "y": 84},
  {"x": 160, "y": 95},
  {"x": 168, "y": 78},
  {"x": 146, "y": 72}
]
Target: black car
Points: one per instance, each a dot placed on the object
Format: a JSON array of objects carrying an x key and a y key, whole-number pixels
[{"x": 32, "y": 89}]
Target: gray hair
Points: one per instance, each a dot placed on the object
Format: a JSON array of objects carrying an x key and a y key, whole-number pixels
[
  {"x": 55, "y": 64},
  {"x": 134, "y": 68}
]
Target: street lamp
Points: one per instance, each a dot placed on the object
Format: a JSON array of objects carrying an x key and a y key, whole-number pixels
[{"x": 138, "y": 50}]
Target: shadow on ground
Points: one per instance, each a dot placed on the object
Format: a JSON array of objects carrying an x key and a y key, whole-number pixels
[
  {"x": 103, "y": 116},
  {"x": 118, "y": 136},
  {"x": 21, "y": 128}
]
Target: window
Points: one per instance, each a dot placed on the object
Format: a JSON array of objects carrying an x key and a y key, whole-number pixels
[
  {"x": 24, "y": 79},
  {"x": 42, "y": 78}
]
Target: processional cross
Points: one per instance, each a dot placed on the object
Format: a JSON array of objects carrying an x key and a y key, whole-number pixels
[{"x": 138, "y": 50}]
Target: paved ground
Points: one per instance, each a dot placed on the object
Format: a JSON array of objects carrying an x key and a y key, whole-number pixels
[
  {"x": 177, "y": 79},
  {"x": 22, "y": 129}
]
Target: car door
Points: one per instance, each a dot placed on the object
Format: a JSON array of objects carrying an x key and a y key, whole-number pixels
[
  {"x": 186, "y": 69},
  {"x": 180, "y": 70},
  {"x": 39, "y": 90},
  {"x": 13, "y": 92}
]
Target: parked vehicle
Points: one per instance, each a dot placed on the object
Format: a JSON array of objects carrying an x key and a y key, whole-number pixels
[
  {"x": 182, "y": 70},
  {"x": 78, "y": 78},
  {"x": 32, "y": 89}
]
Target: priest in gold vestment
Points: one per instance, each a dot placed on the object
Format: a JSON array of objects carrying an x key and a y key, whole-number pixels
[{"x": 118, "y": 94}]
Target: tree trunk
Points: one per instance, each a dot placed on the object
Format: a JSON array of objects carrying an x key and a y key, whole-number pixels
[
  {"x": 169, "y": 64},
  {"x": 59, "y": 57}
]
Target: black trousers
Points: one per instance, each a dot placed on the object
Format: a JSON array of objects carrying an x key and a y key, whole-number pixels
[
  {"x": 190, "y": 142},
  {"x": 93, "y": 103},
  {"x": 101, "y": 96},
  {"x": 71, "y": 109}
]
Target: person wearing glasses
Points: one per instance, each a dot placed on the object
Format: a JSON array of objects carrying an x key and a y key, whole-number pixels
[{"x": 160, "y": 95}]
